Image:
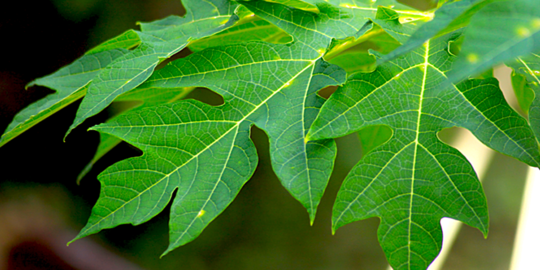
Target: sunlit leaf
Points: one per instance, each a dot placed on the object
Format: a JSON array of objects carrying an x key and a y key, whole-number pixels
[{"x": 205, "y": 152}]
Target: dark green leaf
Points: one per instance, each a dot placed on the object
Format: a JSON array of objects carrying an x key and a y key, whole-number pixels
[
  {"x": 205, "y": 152},
  {"x": 347, "y": 23}
]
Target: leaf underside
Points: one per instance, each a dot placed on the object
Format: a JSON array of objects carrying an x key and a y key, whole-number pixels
[
  {"x": 205, "y": 152},
  {"x": 414, "y": 180}
]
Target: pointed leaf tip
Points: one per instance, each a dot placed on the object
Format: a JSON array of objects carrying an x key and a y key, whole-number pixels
[
  {"x": 413, "y": 180},
  {"x": 223, "y": 157}
]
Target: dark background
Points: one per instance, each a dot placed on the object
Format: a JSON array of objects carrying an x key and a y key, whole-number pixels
[{"x": 42, "y": 207}]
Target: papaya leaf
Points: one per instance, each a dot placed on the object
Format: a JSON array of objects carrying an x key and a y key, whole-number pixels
[
  {"x": 499, "y": 32},
  {"x": 249, "y": 27},
  {"x": 70, "y": 82},
  {"x": 159, "y": 40},
  {"x": 205, "y": 152},
  {"x": 529, "y": 67},
  {"x": 314, "y": 29},
  {"x": 268, "y": 59},
  {"x": 348, "y": 25},
  {"x": 413, "y": 180}
]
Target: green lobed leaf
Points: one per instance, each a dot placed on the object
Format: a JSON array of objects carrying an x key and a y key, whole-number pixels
[
  {"x": 499, "y": 32},
  {"x": 70, "y": 82},
  {"x": 205, "y": 152},
  {"x": 446, "y": 19},
  {"x": 413, "y": 180},
  {"x": 529, "y": 67},
  {"x": 384, "y": 34},
  {"x": 314, "y": 30},
  {"x": 159, "y": 41}
]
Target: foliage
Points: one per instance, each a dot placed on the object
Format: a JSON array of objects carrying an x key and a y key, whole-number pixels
[{"x": 399, "y": 82}]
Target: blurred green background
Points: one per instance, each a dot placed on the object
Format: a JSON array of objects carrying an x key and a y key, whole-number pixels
[{"x": 42, "y": 207}]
